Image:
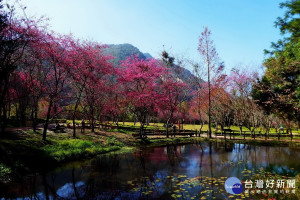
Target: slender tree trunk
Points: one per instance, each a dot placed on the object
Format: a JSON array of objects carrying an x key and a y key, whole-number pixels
[
  {"x": 34, "y": 118},
  {"x": 74, "y": 126},
  {"x": 117, "y": 123},
  {"x": 73, "y": 118},
  {"x": 241, "y": 130},
  {"x": 141, "y": 130},
  {"x": 2, "y": 104},
  {"x": 209, "y": 101},
  {"x": 222, "y": 128},
  {"x": 46, "y": 190},
  {"x": 201, "y": 126},
  {"x": 35, "y": 121},
  {"x": 47, "y": 119},
  {"x": 93, "y": 124},
  {"x": 167, "y": 128},
  {"x": 76, "y": 106},
  {"x": 4, "y": 119},
  {"x": 74, "y": 184},
  {"x": 9, "y": 110}
]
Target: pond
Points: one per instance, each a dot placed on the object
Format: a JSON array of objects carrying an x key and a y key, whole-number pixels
[{"x": 191, "y": 171}]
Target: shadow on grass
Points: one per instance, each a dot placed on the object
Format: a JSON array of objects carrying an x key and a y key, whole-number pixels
[{"x": 20, "y": 157}]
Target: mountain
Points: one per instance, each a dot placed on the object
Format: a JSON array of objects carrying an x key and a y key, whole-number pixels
[
  {"x": 147, "y": 55},
  {"x": 122, "y": 51}
]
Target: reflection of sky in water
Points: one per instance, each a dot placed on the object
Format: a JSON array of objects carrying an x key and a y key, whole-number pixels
[
  {"x": 107, "y": 176},
  {"x": 68, "y": 189},
  {"x": 39, "y": 195}
]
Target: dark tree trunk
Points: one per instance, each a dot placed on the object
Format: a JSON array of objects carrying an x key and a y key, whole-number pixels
[
  {"x": 141, "y": 131},
  {"x": 73, "y": 118},
  {"x": 241, "y": 130},
  {"x": 2, "y": 102},
  {"x": 34, "y": 112},
  {"x": 47, "y": 120},
  {"x": 93, "y": 124},
  {"x": 167, "y": 128},
  {"x": 117, "y": 123}
]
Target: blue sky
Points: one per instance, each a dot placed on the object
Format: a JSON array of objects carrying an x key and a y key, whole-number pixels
[{"x": 241, "y": 29}]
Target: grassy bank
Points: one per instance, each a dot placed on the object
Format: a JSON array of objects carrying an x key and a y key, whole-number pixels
[
  {"x": 24, "y": 152},
  {"x": 186, "y": 140},
  {"x": 150, "y": 142}
]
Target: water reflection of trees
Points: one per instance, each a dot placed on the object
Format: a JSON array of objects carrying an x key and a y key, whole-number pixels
[{"x": 106, "y": 176}]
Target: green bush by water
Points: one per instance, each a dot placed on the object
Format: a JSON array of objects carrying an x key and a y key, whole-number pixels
[{"x": 74, "y": 148}]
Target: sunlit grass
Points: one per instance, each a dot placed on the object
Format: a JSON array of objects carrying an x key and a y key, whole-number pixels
[
  {"x": 75, "y": 148},
  {"x": 204, "y": 128},
  {"x": 160, "y": 126}
]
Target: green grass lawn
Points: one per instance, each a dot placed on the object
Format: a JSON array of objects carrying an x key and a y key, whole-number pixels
[
  {"x": 27, "y": 152},
  {"x": 160, "y": 126},
  {"x": 197, "y": 127}
]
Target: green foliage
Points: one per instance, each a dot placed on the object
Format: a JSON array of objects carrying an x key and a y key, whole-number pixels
[
  {"x": 290, "y": 23},
  {"x": 75, "y": 148},
  {"x": 279, "y": 89},
  {"x": 77, "y": 122},
  {"x": 5, "y": 171},
  {"x": 110, "y": 141}
]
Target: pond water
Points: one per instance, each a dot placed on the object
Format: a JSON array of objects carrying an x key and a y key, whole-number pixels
[{"x": 191, "y": 171}]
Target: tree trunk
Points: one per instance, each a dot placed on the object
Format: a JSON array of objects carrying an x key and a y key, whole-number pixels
[
  {"x": 74, "y": 127},
  {"x": 73, "y": 119},
  {"x": 34, "y": 112},
  {"x": 2, "y": 104},
  {"x": 241, "y": 130},
  {"x": 4, "y": 119},
  {"x": 93, "y": 124},
  {"x": 201, "y": 126},
  {"x": 47, "y": 119},
  {"x": 117, "y": 123},
  {"x": 141, "y": 130},
  {"x": 209, "y": 103},
  {"x": 167, "y": 128}
]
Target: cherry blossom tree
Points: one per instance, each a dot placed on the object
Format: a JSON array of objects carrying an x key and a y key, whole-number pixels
[
  {"x": 15, "y": 34},
  {"x": 51, "y": 52},
  {"x": 141, "y": 80},
  {"x": 199, "y": 106},
  {"x": 173, "y": 89},
  {"x": 240, "y": 87},
  {"x": 116, "y": 107},
  {"x": 97, "y": 88},
  {"x": 173, "y": 93},
  {"x": 88, "y": 66}
]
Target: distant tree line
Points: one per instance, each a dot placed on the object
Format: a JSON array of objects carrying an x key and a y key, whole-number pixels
[{"x": 45, "y": 75}]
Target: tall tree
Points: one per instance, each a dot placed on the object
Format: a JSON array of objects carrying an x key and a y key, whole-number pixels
[
  {"x": 278, "y": 91},
  {"x": 210, "y": 59},
  {"x": 15, "y": 34}
]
